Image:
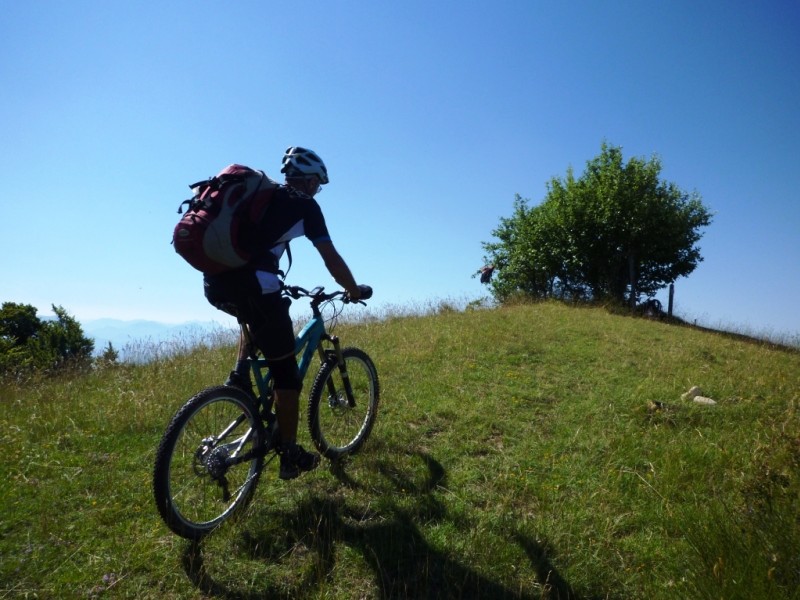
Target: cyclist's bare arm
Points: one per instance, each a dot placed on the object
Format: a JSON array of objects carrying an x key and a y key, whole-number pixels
[{"x": 338, "y": 269}]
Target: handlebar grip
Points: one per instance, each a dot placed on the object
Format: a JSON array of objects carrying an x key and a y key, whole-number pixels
[{"x": 366, "y": 292}]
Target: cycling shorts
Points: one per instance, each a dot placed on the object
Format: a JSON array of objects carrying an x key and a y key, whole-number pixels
[{"x": 267, "y": 315}]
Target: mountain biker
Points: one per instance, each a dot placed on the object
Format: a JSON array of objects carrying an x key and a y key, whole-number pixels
[{"x": 253, "y": 294}]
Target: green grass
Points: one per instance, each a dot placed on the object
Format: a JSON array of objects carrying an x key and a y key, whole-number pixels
[{"x": 535, "y": 451}]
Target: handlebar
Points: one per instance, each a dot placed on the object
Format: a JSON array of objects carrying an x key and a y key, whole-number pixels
[{"x": 318, "y": 294}]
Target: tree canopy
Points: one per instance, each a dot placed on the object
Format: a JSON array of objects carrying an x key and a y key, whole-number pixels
[
  {"x": 617, "y": 231},
  {"x": 29, "y": 343}
]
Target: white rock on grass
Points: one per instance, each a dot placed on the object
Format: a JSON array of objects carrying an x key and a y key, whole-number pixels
[
  {"x": 694, "y": 391},
  {"x": 695, "y": 394},
  {"x": 704, "y": 400}
]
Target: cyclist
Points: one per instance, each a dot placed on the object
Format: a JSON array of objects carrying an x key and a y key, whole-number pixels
[{"x": 253, "y": 294}]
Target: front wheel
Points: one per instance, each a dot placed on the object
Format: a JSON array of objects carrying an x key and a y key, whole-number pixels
[
  {"x": 340, "y": 418},
  {"x": 208, "y": 462}
]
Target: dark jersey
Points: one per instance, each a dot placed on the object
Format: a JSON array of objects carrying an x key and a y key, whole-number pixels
[{"x": 291, "y": 214}]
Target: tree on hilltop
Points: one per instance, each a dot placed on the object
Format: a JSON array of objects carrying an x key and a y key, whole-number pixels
[
  {"x": 30, "y": 343},
  {"x": 617, "y": 231}
]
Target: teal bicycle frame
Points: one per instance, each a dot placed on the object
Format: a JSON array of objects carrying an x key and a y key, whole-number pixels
[
  {"x": 309, "y": 338},
  {"x": 307, "y": 343}
]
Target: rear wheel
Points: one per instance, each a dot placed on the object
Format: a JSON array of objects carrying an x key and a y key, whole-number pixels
[
  {"x": 197, "y": 481},
  {"x": 340, "y": 423}
]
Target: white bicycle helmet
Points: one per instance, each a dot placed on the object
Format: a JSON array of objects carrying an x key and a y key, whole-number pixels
[{"x": 302, "y": 162}]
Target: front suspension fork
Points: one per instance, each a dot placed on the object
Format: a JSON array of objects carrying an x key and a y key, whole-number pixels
[{"x": 340, "y": 363}]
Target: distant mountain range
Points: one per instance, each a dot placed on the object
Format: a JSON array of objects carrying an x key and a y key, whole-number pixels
[{"x": 140, "y": 339}]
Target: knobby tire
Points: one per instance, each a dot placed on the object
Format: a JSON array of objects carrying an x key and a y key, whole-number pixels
[
  {"x": 337, "y": 428},
  {"x": 194, "y": 491}
]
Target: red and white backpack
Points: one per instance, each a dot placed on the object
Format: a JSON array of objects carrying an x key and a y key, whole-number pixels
[{"x": 217, "y": 231}]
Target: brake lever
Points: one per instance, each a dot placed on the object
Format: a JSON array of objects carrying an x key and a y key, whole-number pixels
[{"x": 347, "y": 300}]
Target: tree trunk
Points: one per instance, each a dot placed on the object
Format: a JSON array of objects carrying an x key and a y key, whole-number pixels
[
  {"x": 632, "y": 280},
  {"x": 671, "y": 297}
]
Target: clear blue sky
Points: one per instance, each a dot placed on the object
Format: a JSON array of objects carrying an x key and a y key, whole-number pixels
[{"x": 429, "y": 115}]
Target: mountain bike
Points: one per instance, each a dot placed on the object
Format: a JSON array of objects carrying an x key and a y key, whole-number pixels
[{"x": 213, "y": 451}]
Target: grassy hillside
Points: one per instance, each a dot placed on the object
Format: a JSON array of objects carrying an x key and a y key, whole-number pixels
[{"x": 536, "y": 451}]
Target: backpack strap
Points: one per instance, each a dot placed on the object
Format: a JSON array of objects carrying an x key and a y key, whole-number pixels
[
  {"x": 215, "y": 183},
  {"x": 280, "y": 272},
  {"x": 197, "y": 190},
  {"x": 289, "y": 256}
]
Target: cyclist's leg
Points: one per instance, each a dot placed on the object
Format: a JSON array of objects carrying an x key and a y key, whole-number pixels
[
  {"x": 271, "y": 326},
  {"x": 240, "y": 376},
  {"x": 287, "y": 395},
  {"x": 229, "y": 292}
]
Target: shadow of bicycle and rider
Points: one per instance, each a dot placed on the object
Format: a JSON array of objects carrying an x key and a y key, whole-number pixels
[{"x": 403, "y": 563}]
